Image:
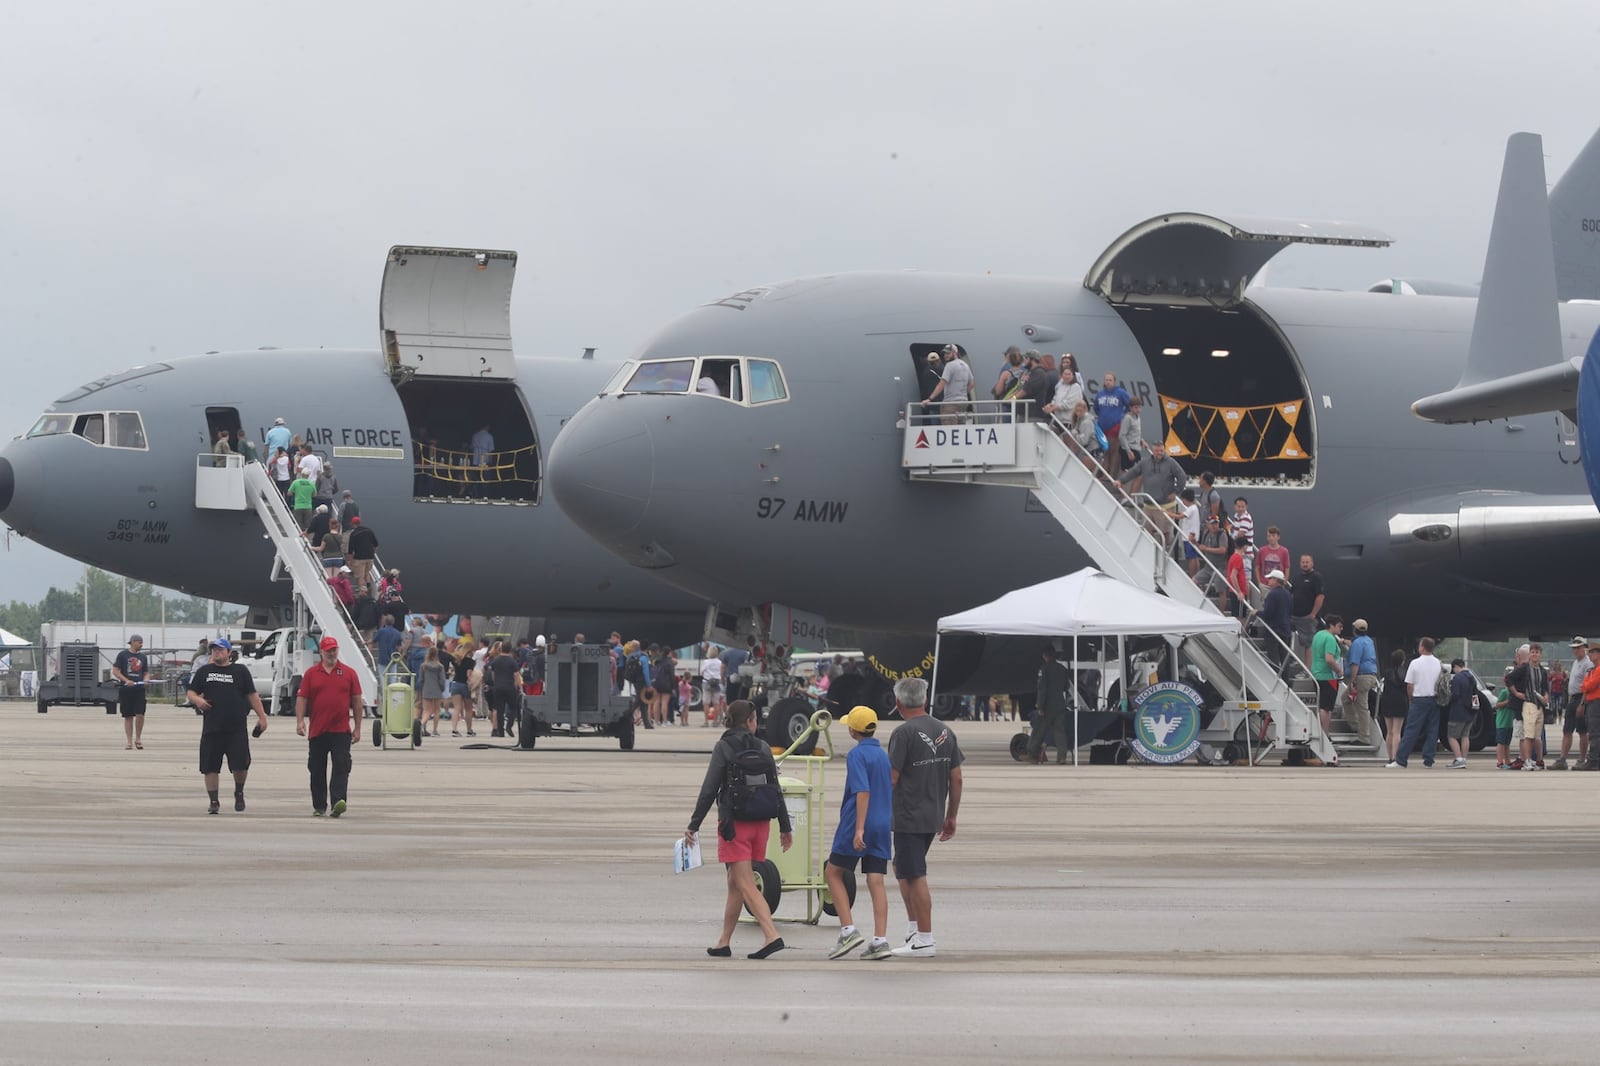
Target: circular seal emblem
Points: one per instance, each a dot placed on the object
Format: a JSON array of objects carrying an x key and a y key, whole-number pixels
[{"x": 1166, "y": 723}]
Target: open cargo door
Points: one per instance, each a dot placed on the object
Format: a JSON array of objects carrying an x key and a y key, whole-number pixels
[{"x": 446, "y": 313}]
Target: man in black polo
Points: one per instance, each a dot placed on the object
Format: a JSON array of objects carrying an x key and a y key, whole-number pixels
[{"x": 225, "y": 693}]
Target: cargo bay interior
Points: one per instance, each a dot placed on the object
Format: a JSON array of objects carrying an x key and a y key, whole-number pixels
[
  {"x": 1233, "y": 397},
  {"x": 445, "y": 415},
  {"x": 1231, "y": 391}
]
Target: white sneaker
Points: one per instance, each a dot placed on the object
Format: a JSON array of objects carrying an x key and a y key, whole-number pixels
[
  {"x": 1393, "y": 766},
  {"x": 915, "y": 950}
]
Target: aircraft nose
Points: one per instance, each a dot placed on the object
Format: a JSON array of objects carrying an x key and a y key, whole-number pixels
[
  {"x": 8, "y": 483},
  {"x": 600, "y": 470}
]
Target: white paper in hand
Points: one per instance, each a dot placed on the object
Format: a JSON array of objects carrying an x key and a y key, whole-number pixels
[{"x": 686, "y": 857}]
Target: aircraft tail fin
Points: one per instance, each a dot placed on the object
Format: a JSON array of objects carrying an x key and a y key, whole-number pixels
[
  {"x": 1517, "y": 326},
  {"x": 1575, "y": 225}
]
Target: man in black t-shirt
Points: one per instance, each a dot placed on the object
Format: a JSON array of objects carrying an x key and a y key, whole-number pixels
[
  {"x": 502, "y": 685},
  {"x": 1309, "y": 597},
  {"x": 130, "y": 669},
  {"x": 225, "y": 693}
]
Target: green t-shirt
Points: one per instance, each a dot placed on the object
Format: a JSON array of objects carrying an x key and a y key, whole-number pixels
[
  {"x": 1504, "y": 717},
  {"x": 302, "y": 489},
  {"x": 1322, "y": 645}
]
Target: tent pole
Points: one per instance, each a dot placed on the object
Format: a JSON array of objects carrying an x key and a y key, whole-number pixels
[
  {"x": 1249, "y": 741},
  {"x": 1076, "y": 700},
  {"x": 933, "y": 682},
  {"x": 1100, "y": 665},
  {"x": 1249, "y": 751}
]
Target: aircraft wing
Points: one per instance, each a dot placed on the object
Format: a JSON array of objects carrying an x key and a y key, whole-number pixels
[{"x": 1549, "y": 388}]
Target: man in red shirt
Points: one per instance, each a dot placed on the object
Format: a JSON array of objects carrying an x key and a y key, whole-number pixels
[{"x": 333, "y": 695}]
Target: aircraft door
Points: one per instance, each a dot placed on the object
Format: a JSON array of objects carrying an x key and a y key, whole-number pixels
[
  {"x": 220, "y": 419},
  {"x": 446, "y": 313},
  {"x": 928, "y": 372}
]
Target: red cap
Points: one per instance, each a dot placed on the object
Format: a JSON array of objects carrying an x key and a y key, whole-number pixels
[
  {"x": 328, "y": 643},
  {"x": 356, "y": 521}
]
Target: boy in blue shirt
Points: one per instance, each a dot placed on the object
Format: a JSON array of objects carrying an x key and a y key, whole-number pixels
[{"x": 866, "y": 823}]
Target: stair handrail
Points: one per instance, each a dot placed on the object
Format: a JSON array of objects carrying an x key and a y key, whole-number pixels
[
  {"x": 290, "y": 530},
  {"x": 1115, "y": 486}
]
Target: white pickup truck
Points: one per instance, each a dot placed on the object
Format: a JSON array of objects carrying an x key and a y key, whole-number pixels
[{"x": 278, "y": 655}]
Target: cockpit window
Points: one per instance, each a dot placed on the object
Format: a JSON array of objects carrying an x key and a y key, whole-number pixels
[
  {"x": 671, "y": 375},
  {"x": 115, "y": 429},
  {"x": 127, "y": 431},
  {"x": 91, "y": 428},
  {"x": 738, "y": 380},
  {"x": 721, "y": 377},
  {"x": 51, "y": 424},
  {"x": 624, "y": 372},
  {"x": 766, "y": 382}
]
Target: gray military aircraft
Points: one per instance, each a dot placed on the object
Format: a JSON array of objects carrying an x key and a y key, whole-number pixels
[
  {"x": 107, "y": 474},
  {"x": 782, "y": 480}
]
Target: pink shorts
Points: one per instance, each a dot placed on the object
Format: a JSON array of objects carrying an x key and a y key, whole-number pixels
[{"x": 749, "y": 843}]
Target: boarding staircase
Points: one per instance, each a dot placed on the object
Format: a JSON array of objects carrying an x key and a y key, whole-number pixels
[
  {"x": 230, "y": 483},
  {"x": 996, "y": 447}
]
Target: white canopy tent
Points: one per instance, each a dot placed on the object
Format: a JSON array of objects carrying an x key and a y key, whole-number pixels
[
  {"x": 9, "y": 639},
  {"x": 1087, "y": 603}
]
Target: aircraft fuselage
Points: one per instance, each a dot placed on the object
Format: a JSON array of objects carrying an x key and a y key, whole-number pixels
[
  {"x": 805, "y": 503},
  {"x": 132, "y": 511}
]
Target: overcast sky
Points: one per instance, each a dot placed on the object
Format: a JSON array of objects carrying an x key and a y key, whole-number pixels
[{"x": 178, "y": 177}]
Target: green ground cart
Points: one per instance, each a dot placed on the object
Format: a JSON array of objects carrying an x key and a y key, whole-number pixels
[
  {"x": 397, "y": 718},
  {"x": 799, "y": 870}
]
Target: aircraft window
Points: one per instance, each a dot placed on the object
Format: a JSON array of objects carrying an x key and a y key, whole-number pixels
[
  {"x": 91, "y": 428},
  {"x": 127, "y": 431},
  {"x": 622, "y": 375},
  {"x": 766, "y": 382},
  {"x": 721, "y": 377},
  {"x": 51, "y": 424},
  {"x": 113, "y": 379},
  {"x": 670, "y": 375}
]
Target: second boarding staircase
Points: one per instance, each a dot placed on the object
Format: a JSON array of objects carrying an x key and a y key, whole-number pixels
[
  {"x": 228, "y": 482},
  {"x": 995, "y": 448}
]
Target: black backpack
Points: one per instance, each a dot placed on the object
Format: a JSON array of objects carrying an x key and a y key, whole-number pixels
[{"x": 752, "y": 787}]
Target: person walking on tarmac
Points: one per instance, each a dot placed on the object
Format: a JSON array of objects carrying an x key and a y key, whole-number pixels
[
  {"x": 331, "y": 693},
  {"x": 741, "y": 842},
  {"x": 865, "y": 834},
  {"x": 225, "y": 692},
  {"x": 130, "y": 670},
  {"x": 925, "y": 772}
]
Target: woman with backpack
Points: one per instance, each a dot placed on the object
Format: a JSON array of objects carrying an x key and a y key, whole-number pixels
[{"x": 743, "y": 782}]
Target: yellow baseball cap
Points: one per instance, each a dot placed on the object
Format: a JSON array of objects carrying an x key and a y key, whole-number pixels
[{"x": 863, "y": 720}]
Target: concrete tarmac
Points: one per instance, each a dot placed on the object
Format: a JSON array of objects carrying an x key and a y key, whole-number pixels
[{"x": 493, "y": 905}]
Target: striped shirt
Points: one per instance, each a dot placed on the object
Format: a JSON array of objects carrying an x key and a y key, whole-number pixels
[{"x": 1243, "y": 525}]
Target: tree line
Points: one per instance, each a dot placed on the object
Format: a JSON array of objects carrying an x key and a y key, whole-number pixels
[{"x": 105, "y": 592}]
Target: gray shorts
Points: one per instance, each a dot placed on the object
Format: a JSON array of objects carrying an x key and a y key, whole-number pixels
[
  {"x": 1460, "y": 730},
  {"x": 1304, "y": 629}
]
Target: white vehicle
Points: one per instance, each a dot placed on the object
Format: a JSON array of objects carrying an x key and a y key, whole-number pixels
[{"x": 276, "y": 664}]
